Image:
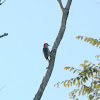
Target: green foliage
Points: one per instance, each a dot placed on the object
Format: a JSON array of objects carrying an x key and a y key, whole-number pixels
[
  {"x": 90, "y": 97},
  {"x": 72, "y": 95},
  {"x": 72, "y": 69},
  {"x": 88, "y": 71},
  {"x": 90, "y": 40}
]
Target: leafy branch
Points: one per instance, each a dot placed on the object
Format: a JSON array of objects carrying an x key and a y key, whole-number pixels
[
  {"x": 88, "y": 71},
  {"x": 90, "y": 40}
]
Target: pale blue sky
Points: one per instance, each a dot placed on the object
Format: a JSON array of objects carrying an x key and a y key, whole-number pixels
[{"x": 32, "y": 23}]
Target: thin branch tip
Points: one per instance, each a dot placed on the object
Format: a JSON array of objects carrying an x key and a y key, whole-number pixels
[
  {"x": 61, "y": 6},
  {"x": 2, "y": 2},
  {"x": 5, "y": 34}
]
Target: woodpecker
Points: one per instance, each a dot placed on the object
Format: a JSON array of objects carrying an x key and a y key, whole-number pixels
[{"x": 46, "y": 51}]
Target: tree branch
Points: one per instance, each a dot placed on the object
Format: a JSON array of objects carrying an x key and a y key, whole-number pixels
[
  {"x": 61, "y": 6},
  {"x": 68, "y": 4},
  {"x": 54, "y": 50},
  {"x": 5, "y": 34},
  {"x": 2, "y": 2}
]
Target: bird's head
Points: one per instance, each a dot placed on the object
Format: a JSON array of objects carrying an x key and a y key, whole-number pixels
[{"x": 46, "y": 45}]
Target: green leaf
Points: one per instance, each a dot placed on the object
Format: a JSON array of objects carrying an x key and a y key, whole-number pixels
[
  {"x": 76, "y": 91},
  {"x": 98, "y": 44},
  {"x": 74, "y": 96},
  {"x": 89, "y": 75},
  {"x": 83, "y": 65},
  {"x": 67, "y": 68},
  {"x": 68, "y": 82},
  {"x": 85, "y": 39},
  {"x": 95, "y": 70},
  {"x": 78, "y": 78},
  {"x": 91, "y": 40},
  {"x": 65, "y": 84},
  {"x": 74, "y": 81},
  {"x": 71, "y": 83},
  {"x": 90, "y": 97},
  {"x": 98, "y": 63},
  {"x": 81, "y": 37},
  {"x": 89, "y": 64},
  {"x": 88, "y": 39},
  {"x": 85, "y": 61},
  {"x": 79, "y": 92},
  {"x": 78, "y": 37},
  {"x": 84, "y": 80},
  {"x": 79, "y": 85},
  {"x": 68, "y": 85},
  {"x": 94, "y": 42},
  {"x": 83, "y": 93},
  {"x": 71, "y": 69},
  {"x": 86, "y": 77},
  {"x": 98, "y": 86},
  {"x": 74, "y": 71}
]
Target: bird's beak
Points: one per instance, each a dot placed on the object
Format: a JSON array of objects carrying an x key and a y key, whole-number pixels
[{"x": 48, "y": 45}]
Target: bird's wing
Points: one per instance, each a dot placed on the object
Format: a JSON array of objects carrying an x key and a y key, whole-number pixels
[{"x": 46, "y": 52}]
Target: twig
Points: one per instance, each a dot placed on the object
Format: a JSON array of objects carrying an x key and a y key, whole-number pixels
[
  {"x": 2, "y": 87},
  {"x": 61, "y": 6},
  {"x": 2, "y": 2},
  {"x": 98, "y": 3},
  {"x": 5, "y": 34}
]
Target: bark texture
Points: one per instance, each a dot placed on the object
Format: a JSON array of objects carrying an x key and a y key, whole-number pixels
[{"x": 65, "y": 12}]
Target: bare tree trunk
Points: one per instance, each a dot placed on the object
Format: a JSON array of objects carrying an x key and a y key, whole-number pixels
[{"x": 65, "y": 12}]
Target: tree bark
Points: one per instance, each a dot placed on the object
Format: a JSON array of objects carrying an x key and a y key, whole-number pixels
[{"x": 65, "y": 12}]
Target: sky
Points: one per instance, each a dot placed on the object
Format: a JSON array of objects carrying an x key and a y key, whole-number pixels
[{"x": 29, "y": 25}]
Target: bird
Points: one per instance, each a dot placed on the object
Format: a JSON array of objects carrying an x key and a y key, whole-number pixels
[{"x": 46, "y": 51}]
